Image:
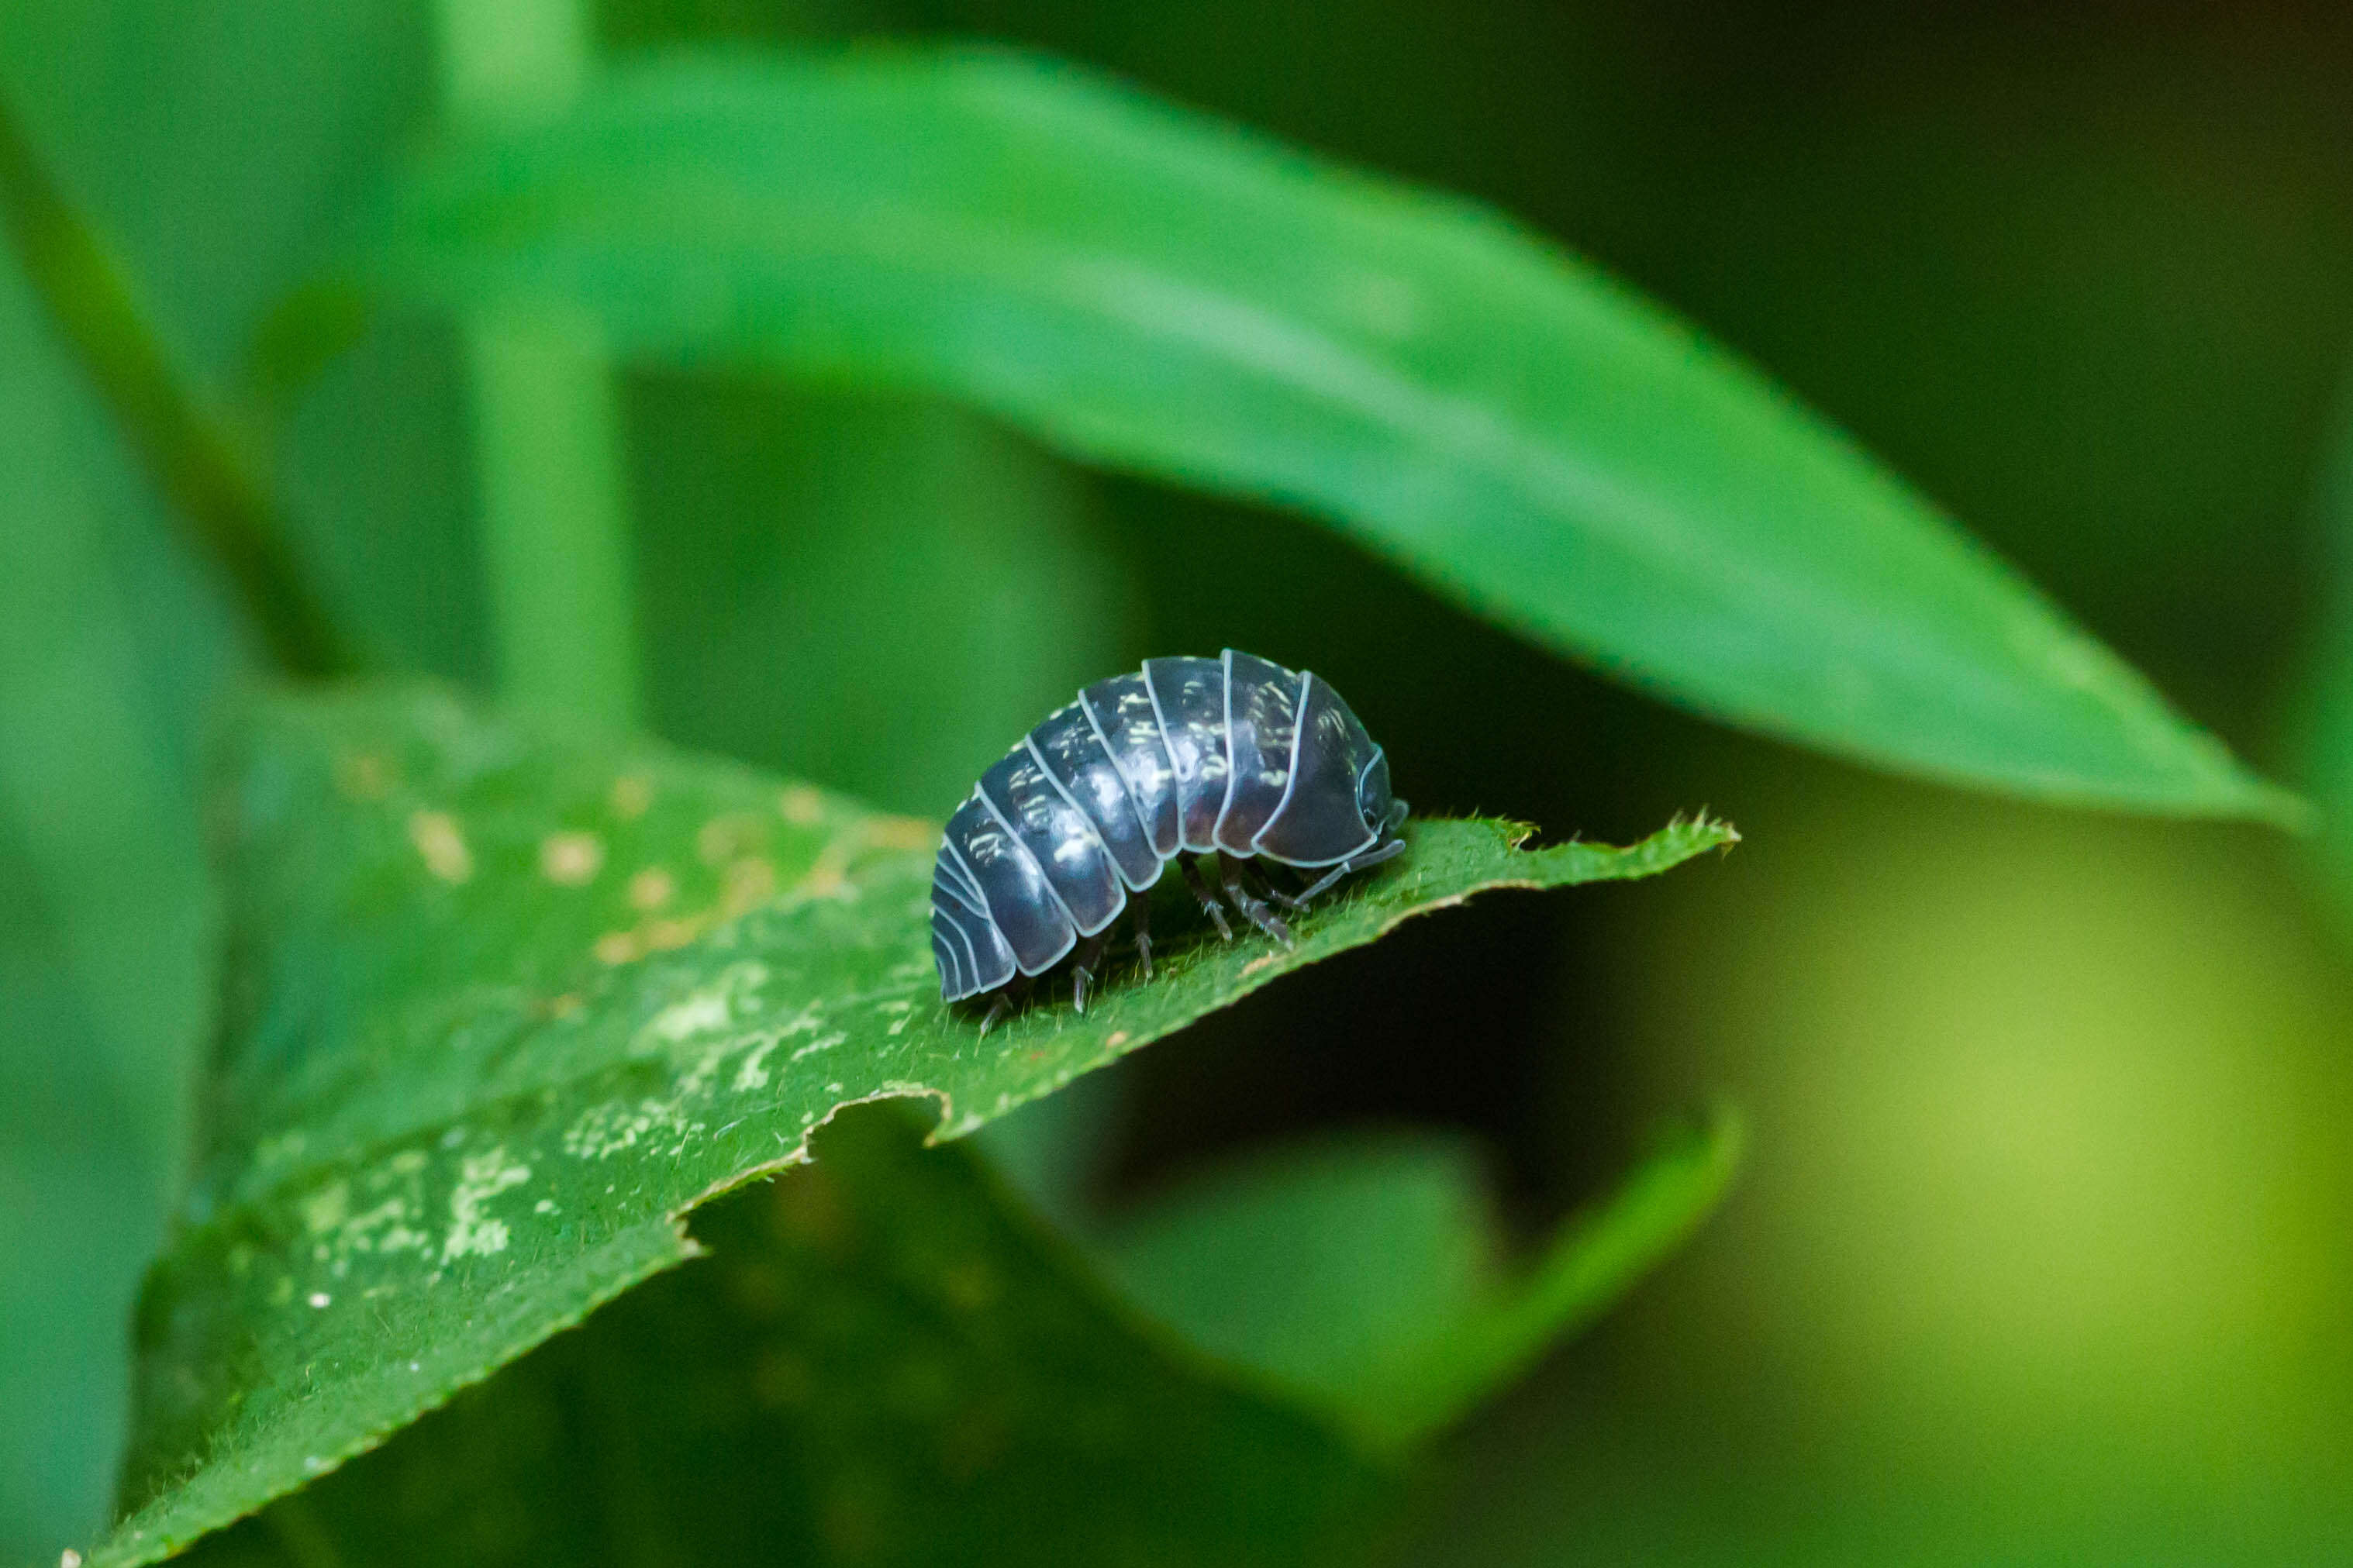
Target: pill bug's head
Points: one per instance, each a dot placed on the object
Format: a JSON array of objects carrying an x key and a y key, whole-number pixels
[{"x": 1383, "y": 811}]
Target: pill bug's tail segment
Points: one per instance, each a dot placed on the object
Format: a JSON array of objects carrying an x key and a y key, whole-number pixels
[
  {"x": 1020, "y": 904},
  {"x": 972, "y": 953}
]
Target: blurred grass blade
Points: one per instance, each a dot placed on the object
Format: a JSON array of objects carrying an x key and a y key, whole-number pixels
[
  {"x": 2324, "y": 716},
  {"x": 105, "y": 916},
  {"x": 191, "y": 452},
  {"x": 1367, "y": 1277},
  {"x": 1150, "y": 290},
  {"x": 547, "y": 436},
  {"x": 878, "y": 1362},
  {"x": 505, "y": 1003},
  {"x": 555, "y": 521}
]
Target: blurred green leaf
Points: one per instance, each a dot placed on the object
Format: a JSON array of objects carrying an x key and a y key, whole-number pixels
[
  {"x": 870, "y": 592},
  {"x": 879, "y": 1363},
  {"x": 2325, "y": 710},
  {"x": 1147, "y": 288},
  {"x": 213, "y": 153},
  {"x": 504, "y": 1004},
  {"x": 106, "y": 653},
  {"x": 216, "y": 152},
  {"x": 1367, "y": 1277}
]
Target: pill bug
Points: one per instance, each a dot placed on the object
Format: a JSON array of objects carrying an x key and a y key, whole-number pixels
[{"x": 1233, "y": 755}]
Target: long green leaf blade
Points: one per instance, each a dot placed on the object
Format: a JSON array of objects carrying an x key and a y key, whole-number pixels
[
  {"x": 503, "y": 1005},
  {"x": 1151, "y": 290}
]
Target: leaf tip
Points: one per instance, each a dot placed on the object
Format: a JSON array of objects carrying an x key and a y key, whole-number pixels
[{"x": 2275, "y": 806}]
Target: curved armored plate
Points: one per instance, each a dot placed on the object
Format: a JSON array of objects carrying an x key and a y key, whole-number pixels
[
  {"x": 1130, "y": 728},
  {"x": 1319, "y": 822},
  {"x": 1075, "y": 759},
  {"x": 1059, "y": 837},
  {"x": 1190, "y": 697},
  {"x": 977, "y": 958},
  {"x": 1262, "y": 721},
  {"x": 1375, "y": 799},
  {"x": 952, "y": 987},
  {"x": 949, "y": 875},
  {"x": 1021, "y": 903},
  {"x": 952, "y": 951}
]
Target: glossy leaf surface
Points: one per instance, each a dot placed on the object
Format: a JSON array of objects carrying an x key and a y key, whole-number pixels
[{"x": 1155, "y": 291}]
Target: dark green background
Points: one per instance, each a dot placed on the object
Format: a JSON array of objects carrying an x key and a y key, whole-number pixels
[{"x": 2041, "y": 1252}]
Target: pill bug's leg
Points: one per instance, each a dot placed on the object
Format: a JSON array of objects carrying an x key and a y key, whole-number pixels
[
  {"x": 1015, "y": 991},
  {"x": 1082, "y": 968},
  {"x": 1260, "y": 881},
  {"x": 1191, "y": 866},
  {"x": 1140, "y": 906},
  {"x": 1369, "y": 859},
  {"x": 998, "y": 1005},
  {"x": 1250, "y": 905}
]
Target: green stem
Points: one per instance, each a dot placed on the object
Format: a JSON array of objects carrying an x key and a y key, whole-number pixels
[
  {"x": 555, "y": 526},
  {"x": 190, "y": 453}
]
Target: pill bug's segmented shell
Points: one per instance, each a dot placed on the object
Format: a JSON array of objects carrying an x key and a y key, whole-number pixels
[{"x": 1233, "y": 754}]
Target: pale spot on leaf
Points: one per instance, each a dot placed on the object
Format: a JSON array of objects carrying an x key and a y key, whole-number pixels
[
  {"x": 481, "y": 1178},
  {"x": 632, "y": 793},
  {"x": 722, "y": 838},
  {"x": 615, "y": 947},
  {"x": 665, "y": 936},
  {"x": 363, "y": 775},
  {"x": 749, "y": 883},
  {"x": 801, "y": 805},
  {"x": 570, "y": 859},
  {"x": 650, "y": 888},
  {"x": 442, "y": 845},
  {"x": 901, "y": 833}
]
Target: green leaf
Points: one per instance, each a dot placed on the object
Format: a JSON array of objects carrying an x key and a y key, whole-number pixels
[
  {"x": 504, "y": 1004},
  {"x": 1153, "y": 291},
  {"x": 781, "y": 529},
  {"x": 106, "y": 652},
  {"x": 1367, "y": 1277},
  {"x": 879, "y": 1362},
  {"x": 2324, "y": 710}
]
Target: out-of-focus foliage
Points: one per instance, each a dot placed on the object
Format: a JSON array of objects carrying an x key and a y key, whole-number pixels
[
  {"x": 2324, "y": 713},
  {"x": 2050, "y": 1263},
  {"x": 104, "y": 957},
  {"x": 2041, "y": 1253},
  {"x": 1157, "y": 293},
  {"x": 885, "y": 591},
  {"x": 1368, "y": 1278}
]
